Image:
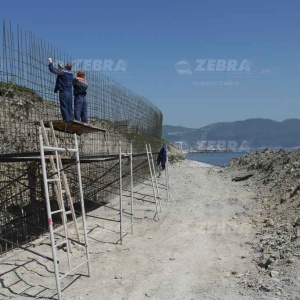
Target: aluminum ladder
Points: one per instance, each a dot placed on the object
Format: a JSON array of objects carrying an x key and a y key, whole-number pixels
[{"x": 57, "y": 177}]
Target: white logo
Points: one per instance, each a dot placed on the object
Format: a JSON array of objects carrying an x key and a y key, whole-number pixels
[
  {"x": 221, "y": 65},
  {"x": 183, "y": 67},
  {"x": 104, "y": 65}
]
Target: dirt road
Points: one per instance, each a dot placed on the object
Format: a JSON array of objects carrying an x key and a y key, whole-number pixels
[{"x": 200, "y": 248}]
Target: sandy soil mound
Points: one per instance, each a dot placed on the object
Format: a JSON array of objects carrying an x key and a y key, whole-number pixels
[{"x": 275, "y": 180}]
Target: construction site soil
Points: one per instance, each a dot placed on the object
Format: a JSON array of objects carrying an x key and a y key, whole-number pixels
[
  {"x": 274, "y": 178},
  {"x": 225, "y": 234}
]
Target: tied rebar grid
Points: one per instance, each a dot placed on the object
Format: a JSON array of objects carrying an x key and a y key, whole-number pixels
[
  {"x": 27, "y": 95},
  {"x": 22, "y": 206}
]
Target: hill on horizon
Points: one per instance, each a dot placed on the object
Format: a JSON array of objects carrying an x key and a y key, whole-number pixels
[{"x": 257, "y": 132}]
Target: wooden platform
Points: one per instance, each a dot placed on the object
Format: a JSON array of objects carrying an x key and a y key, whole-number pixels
[{"x": 73, "y": 127}]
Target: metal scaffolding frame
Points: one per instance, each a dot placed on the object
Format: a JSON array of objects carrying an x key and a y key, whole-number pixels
[
  {"x": 122, "y": 229},
  {"x": 128, "y": 155},
  {"x": 26, "y": 96},
  {"x": 154, "y": 182},
  {"x": 104, "y": 183}
]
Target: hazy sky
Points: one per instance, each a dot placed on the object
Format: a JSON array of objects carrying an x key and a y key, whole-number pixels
[{"x": 200, "y": 62}]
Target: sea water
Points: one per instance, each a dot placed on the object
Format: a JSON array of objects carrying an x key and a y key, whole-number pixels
[{"x": 220, "y": 159}]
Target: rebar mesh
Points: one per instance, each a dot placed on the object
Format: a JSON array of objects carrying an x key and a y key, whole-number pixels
[
  {"x": 26, "y": 97},
  {"x": 27, "y": 91}
]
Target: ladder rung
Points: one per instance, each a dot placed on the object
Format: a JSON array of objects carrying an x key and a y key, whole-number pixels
[
  {"x": 56, "y": 211},
  {"x": 53, "y": 180},
  {"x": 130, "y": 225},
  {"x": 63, "y": 191},
  {"x": 75, "y": 268},
  {"x": 68, "y": 212},
  {"x": 61, "y": 243}
]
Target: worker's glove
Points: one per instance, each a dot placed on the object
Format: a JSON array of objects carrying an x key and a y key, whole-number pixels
[{"x": 50, "y": 60}]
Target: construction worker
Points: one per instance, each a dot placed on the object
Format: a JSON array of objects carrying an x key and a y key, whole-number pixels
[
  {"x": 80, "y": 105},
  {"x": 63, "y": 85},
  {"x": 162, "y": 157}
]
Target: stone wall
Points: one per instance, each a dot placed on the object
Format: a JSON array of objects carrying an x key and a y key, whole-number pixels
[{"x": 22, "y": 201}]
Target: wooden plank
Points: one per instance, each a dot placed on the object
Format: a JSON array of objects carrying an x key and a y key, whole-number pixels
[{"x": 73, "y": 127}]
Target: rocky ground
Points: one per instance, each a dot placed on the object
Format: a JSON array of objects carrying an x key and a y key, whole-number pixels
[
  {"x": 215, "y": 239},
  {"x": 275, "y": 180}
]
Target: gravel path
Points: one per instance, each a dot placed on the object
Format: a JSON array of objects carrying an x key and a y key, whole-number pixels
[{"x": 199, "y": 249}]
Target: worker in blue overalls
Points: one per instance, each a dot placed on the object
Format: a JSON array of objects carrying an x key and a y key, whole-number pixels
[{"x": 63, "y": 85}]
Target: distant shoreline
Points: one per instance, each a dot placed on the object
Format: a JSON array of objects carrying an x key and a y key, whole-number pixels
[{"x": 209, "y": 151}]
